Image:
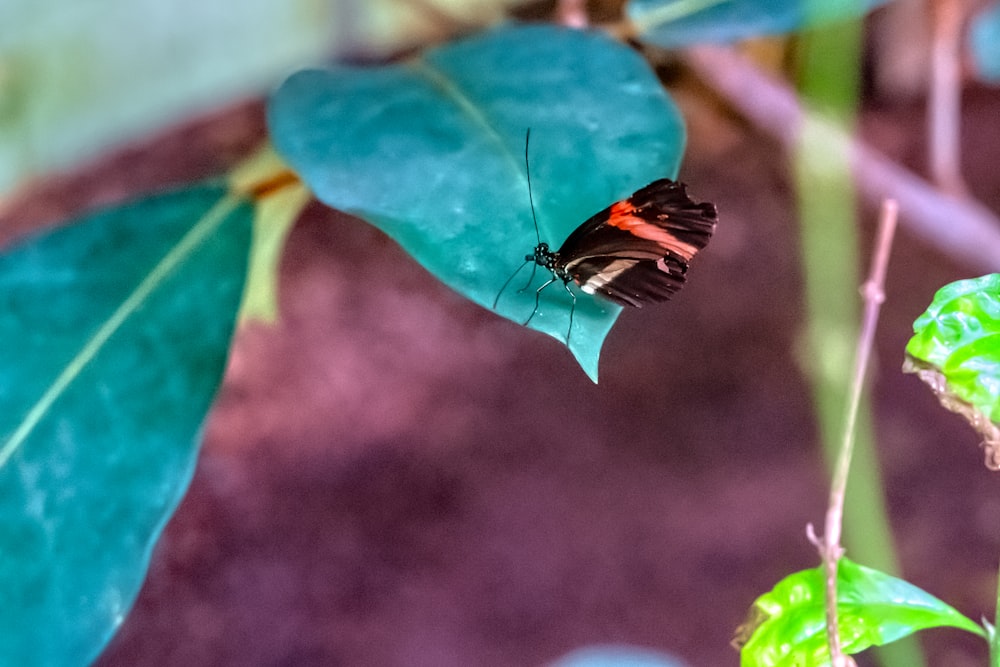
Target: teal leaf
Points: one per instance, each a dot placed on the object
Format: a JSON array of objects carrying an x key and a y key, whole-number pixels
[
  {"x": 955, "y": 349},
  {"x": 432, "y": 152},
  {"x": 787, "y": 626},
  {"x": 616, "y": 656},
  {"x": 115, "y": 332},
  {"x": 680, "y": 23},
  {"x": 984, "y": 43}
]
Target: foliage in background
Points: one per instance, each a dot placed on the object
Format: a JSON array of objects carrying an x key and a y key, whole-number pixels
[
  {"x": 984, "y": 43},
  {"x": 616, "y": 656},
  {"x": 829, "y": 64},
  {"x": 787, "y": 625},
  {"x": 80, "y": 77},
  {"x": 679, "y": 23}
]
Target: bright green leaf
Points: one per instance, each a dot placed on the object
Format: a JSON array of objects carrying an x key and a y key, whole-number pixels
[
  {"x": 432, "y": 152},
  {"x": 115, "y": 332},
  {"x": 959, "y": 333},
  {"x": 679, "y": 23},
  {"x": 787, "y": 626},
  {"x": 956, "y": 350}
]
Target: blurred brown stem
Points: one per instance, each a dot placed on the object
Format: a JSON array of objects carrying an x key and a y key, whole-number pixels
[
  {"x": 944, "y": 97},
  {"x": 572, "y": 13}
]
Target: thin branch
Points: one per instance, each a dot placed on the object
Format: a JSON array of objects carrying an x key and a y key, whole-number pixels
[
  {"x": 961, "y": 228},
  {"x": 829, "y": 547}
]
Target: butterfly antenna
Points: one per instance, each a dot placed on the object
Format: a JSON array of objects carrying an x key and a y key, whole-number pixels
[{"x": 527, "y": 172}]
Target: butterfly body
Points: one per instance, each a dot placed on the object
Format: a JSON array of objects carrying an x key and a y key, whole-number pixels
[
  {"x": 634, "y": 252},
  {"x": 637, "y": 250}
]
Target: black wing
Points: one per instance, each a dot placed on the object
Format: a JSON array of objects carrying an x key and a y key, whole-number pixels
[{"x": 637, "y": 250}]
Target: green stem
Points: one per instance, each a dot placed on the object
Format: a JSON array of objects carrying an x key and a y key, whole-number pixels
[
  {"x": 992, "y": 632},
  {"x": 829, "y": 66}
]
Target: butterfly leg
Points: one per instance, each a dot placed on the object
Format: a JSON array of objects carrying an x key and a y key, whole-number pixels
[
  {"x": 538, "y": 294},
  {"x": 572, "y": 311},
  {"x": 531, "y": 279}
]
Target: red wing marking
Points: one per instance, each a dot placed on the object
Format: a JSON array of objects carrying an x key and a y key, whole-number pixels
[{"x": 623, "y": 216}]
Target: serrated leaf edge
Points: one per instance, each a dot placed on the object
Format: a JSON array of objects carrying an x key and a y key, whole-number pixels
[{"x": 949, "y": 400}]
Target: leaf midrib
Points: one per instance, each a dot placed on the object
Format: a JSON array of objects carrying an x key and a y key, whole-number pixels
[{"x": 207, "y": 224}]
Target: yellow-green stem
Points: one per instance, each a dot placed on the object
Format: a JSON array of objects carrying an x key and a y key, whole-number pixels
[{"x": 829, "y": 67}]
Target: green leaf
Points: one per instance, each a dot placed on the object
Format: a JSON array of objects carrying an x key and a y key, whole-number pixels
[
  {"x": 432, "y": 152},
  {"x": 679, "y": 23},
  {"x": 984, "y": 43},
  {"x": 115, "y": 333},
  {"x": 787, "y": 626},
  {"x": 956, "y": 350}
]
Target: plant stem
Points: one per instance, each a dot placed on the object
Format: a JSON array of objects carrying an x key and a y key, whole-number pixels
[
  {"x": 873, "y": 292},
  {"x": 572, "y": 13},
  {"x": 944, "y": 98},
  {"x": 994, "y": 641}
]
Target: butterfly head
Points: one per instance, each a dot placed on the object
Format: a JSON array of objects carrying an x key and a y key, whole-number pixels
[{"x": 543, "y": 257}]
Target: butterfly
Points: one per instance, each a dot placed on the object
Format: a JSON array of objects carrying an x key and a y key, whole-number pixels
[{"x": 634, "y": 252}]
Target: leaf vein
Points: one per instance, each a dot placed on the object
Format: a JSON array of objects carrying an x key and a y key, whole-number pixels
[{"x": 181, "y": 251}]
